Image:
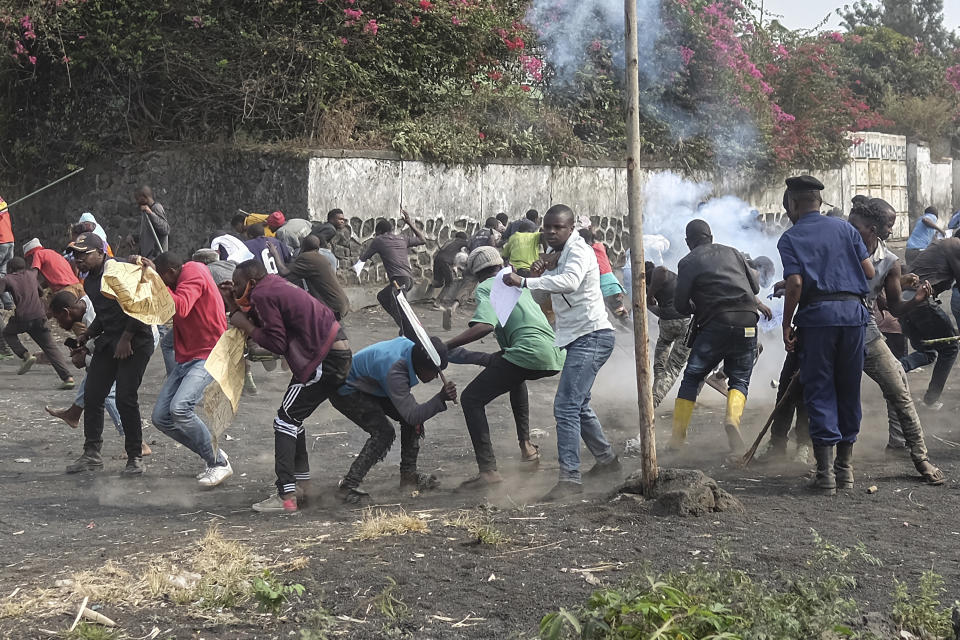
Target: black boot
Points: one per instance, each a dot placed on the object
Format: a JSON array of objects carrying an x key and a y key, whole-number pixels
[
  {"x": 843, "y": 466},
  {"x": 89, "y": 461},
  {"x": 825, "y": 483}
]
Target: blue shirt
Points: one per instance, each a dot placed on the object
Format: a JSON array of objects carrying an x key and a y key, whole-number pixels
[
  {"x": 922, "y": 235},
  {"x": 826, "y": 253},
  {"x": 372, "y": 364},
  {"x": 954, "y": 221}
]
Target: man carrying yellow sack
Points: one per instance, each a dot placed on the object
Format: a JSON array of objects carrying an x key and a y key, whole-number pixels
[
  {"x": 715, "y": 284},
  {"x": 120, "y": 354}
]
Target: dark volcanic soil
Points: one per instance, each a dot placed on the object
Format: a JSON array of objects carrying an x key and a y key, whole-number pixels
[{"x": 53, "y": 525}]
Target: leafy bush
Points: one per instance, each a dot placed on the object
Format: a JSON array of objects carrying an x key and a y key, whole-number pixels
[{"x": 271, "y": 594}]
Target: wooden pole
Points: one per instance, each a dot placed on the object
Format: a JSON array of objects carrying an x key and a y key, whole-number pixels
[{"x": 648, "y": 444}]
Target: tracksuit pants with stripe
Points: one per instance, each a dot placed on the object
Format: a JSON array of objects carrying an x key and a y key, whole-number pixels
[{"x": 300, "y": 400}]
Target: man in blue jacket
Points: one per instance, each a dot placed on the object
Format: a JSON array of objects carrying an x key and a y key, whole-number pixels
[{"x": 379, "y": 387}]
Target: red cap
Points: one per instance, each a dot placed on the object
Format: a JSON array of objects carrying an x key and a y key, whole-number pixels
[{"x": 276, "y": 220}]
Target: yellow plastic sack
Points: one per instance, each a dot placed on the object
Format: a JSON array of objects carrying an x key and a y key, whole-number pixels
[
  {"x": 222, "y": 397},
  {"x": 139, "y": 290}
]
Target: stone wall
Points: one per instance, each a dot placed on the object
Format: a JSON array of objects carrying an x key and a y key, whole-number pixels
[{"x": 203, "y": 187}]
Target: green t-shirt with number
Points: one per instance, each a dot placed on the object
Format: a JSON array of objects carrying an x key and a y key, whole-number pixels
[{"x": 527, "y": 339}]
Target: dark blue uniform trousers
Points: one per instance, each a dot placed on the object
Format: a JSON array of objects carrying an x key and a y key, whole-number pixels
[{"x": 831, "y": 363}]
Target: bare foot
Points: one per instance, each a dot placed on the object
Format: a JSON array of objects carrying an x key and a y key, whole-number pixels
[
  {"x": 70, "y": 415},
  {"x": 145, "y": 449},
  {"x": 529, "y": 451}
]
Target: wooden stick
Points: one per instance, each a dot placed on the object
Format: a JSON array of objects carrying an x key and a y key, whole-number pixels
[
  {"x": 748, "y": 456},
  {"x": 76, "y": 620}
]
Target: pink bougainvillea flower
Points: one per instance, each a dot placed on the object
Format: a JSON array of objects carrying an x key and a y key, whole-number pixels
[
  {"x": 481, "y": 135},
  {"x": 65, "y": 60},
  {"x": 426, "y": 5},
  {"x": 953, "y": 77},
  {"x": 836, "y": 36},
  {"x": 197, "y": 22},
  {"x": 371, "y": 27},
  {"x": 596, "y": 45},
  {"x": 33, "y": 60},
  {"x": 494, "y": 75},
  {"x": 416, "y": 21},
  {"x": 455, "y": 20},
  {"x": 686, "y": 53},
  {"x": 525, "y": 87},
  {"x": 343, "y": 41},
  {"x": 353, "y": 14}
]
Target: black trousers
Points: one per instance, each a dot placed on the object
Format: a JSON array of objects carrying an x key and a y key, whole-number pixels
[
  {"x": 388, "y": 300},
  {"x": 102, "y": 372},
  {"x": 495, "y": 380},
  {"x": 783, "y": 419},
  {"x": 299, "y": 401},
  {"x": 371, "y": 414},
  {"x": 927, "y": 322},
  {"x": 38, "y": 330}
]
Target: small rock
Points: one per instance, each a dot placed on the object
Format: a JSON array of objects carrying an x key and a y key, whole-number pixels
[
  {"x": 22, "y": 460},
  {"x": 872, "y": 489}
]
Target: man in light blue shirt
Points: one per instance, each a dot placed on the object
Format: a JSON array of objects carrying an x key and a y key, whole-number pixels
[{"x": 926, "y": 229}]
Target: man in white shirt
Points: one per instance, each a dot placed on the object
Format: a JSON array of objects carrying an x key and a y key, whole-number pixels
[{"x": 570, "y": 276}]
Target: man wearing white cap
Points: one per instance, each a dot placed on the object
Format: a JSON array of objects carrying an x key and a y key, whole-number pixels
[
  {"x": 56, "y": 271},
  {"x": 528, "y": 352}
]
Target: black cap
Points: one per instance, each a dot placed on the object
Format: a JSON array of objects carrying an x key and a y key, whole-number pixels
[
  {"x": 804, "y": 183},
  {"x": 697, "y": 228},
  {"x": 86, "y": 243}
]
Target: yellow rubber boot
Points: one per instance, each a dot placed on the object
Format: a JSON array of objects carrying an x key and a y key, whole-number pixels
[
  {"x": 682, "y": 413},
  {"x": 735, "y": 404}
]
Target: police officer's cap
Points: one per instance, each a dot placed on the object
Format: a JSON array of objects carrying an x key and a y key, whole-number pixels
[{"x": 804, "y": 183}]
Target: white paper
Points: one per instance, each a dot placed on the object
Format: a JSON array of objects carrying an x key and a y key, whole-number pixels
[
  {"x": 503, "y": 297},
  {"x": 357, "y": 268},
  {"x": 421, "y": 334}
]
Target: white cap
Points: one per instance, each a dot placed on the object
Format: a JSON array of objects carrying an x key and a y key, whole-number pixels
[{"x": 31, "y": 245}]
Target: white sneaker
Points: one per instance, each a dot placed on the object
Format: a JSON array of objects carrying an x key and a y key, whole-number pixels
[
  {"x": 207, "y": 469},
  {"x": 215, "y": 475}
]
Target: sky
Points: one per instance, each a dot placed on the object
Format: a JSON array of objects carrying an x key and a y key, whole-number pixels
[{"x": 806, "y": 14}]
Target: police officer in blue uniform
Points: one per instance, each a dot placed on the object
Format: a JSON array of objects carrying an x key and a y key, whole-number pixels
[{"x": 826, "y": 267}]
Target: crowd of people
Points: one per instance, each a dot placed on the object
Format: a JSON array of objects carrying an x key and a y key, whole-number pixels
[{"x": 276, "y": 281}]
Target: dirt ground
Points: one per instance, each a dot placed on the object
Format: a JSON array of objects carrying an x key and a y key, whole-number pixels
[{"x": 53, "y": 525}]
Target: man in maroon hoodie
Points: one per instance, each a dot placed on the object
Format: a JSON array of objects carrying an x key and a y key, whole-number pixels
[
  {"x": 287, "y": 320},
  {"x": 198, "y": 323}
]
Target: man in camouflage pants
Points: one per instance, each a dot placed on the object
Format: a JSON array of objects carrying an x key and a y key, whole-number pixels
[{"x": 670, "y": 355}]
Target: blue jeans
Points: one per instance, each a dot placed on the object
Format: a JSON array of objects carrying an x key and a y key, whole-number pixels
[
  {"x": 175, "y": 411},
  {"x": 110, "y": 404},
  {"x": 571, "y": 408},
  {"x": 166, "y": 348},
  {"x": 6, "y": 253},
  {"x": 718, "y": 342}
]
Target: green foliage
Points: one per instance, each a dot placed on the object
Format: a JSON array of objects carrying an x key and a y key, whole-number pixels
[
  {"x": 318, "y": 625},
  {"x": 389, "y": 604},
  {"x": 721, "y": 601},
  {"x": 90, "y": 631},
  {"x": 920, "y": 612},
  {"x": 271, "y": 594}
]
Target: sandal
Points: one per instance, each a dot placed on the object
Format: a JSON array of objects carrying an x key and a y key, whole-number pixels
[{"x": 930, "y": 474}]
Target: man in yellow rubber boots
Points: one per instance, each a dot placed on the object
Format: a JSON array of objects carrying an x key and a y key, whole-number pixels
[{"x": 715, "y": 284}]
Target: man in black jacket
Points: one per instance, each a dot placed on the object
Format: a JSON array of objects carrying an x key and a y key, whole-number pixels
[
  {"x": 715, "y": 284},
  {"x": 120, "y": 354}
]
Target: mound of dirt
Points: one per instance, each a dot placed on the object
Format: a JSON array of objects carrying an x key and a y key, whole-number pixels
[{"x": 682, "y": 492}]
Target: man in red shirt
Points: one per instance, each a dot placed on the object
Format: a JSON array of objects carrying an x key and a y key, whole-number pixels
[
  {"x": 54, "y": 268},
  {"x": 198, "y": 323},
  {"x": 6, "y": 249}
]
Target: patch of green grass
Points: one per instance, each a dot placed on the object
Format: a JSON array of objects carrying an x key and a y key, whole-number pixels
[
  {"x": 318, "y": 625},
  {"x": 390, "y": 604},
  {"x": 87, "y": 631},
  {"x": 920, "y": 612},
  {"x": 721, "y": 601},
  {"x": 271, "y": 594},
  {"x": 479, "y": 527}
]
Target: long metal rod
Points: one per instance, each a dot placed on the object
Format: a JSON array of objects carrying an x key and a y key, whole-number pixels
[
  {"x": 648, "y": 442},
  {"x": 30, "y": 195}
]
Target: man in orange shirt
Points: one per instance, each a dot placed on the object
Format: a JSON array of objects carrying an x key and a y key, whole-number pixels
[{"x": 6, "y": 249}]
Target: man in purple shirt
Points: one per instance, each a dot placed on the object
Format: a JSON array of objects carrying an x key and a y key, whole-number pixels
[{"x": 287, "y": 320}]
